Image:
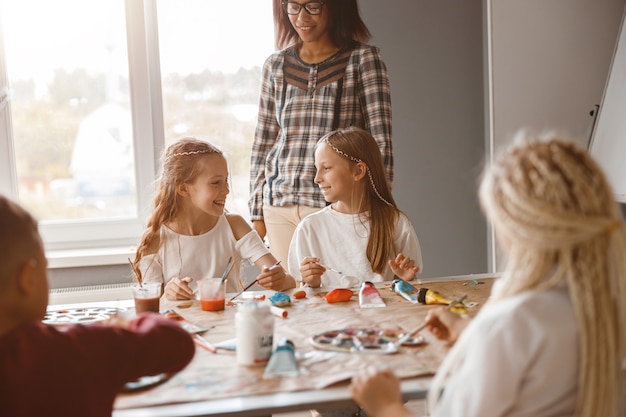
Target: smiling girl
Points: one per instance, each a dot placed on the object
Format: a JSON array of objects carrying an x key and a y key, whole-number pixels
[
  {"x": 190, "y": 236},
  {"x": 362, "y": 232}
]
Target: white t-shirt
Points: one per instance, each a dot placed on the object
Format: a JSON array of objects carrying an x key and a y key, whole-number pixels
[
  {"x": 520, "y": 358},
  {"x": 340, "y": 241},
  {"x": 202, "y": 256}
]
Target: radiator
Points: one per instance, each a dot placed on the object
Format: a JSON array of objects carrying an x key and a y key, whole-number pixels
[{"x": 91, "y": 293}]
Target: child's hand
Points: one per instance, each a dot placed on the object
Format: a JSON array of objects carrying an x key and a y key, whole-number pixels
[
  {"x": 275, "y": 278},
  {"x": 378, "y": 393},
  {"x": 444, "y": 324},
  {"x": 178, "y": 289},
  {"x": 404, "y": 267},
  {"x": 311, "y": 271}
]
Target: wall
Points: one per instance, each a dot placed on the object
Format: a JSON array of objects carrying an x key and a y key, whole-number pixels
[
  {"x": 433, "y": 51},
  {"x": 548, "y": 65},
  {"x": 434, "y": 54}
]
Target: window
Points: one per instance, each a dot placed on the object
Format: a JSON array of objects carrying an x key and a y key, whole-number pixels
[{"x": 91, "y": 92}]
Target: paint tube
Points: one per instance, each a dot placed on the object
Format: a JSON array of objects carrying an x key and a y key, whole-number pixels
[
  {"x": 406, "y": 290},
  {"x": 369, "y": 297},
  {"x": 283, "y": 361},
  {"x": 428, "y": 296}
]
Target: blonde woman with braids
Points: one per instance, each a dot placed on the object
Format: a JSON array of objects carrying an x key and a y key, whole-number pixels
[
  {"x": 362, "y": 232},
  {"x": 189, "y": 235},
  {"x": 550, "y": 341}
]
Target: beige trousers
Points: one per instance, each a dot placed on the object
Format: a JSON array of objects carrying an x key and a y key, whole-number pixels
[{"x": 280, "y": 223}]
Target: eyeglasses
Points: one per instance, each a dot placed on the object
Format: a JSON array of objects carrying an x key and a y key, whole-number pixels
[{"x": 312, "y": 7}]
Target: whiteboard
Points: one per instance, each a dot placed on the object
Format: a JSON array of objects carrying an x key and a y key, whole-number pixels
[{"x": 608, "y": 140}]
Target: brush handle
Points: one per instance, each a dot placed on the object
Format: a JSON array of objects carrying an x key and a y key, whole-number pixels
[
  {"x": 422, "y": 326},
  {"x": 201, "y": 341},
  {"x": 242, "y": 291},
  {"x": 229, "y": 265},
  {"x": 329, "y": 268}
]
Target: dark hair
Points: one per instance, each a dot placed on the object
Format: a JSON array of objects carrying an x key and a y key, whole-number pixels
[
  {"x": 346, "y": 25},
  {"x": 19, "y": 238}
]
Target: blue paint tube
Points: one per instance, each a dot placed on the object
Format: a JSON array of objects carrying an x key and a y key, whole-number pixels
[
  {"x": 406, "y": 290},
  {"x": 283, "y": 361}
]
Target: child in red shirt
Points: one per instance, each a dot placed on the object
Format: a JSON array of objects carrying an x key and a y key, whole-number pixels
[{"x": 76, "y": 371}]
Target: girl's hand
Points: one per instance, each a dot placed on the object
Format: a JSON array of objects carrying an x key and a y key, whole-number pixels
[
  {"x": 404, "y": 267},
  {"x": 259, "y": 227},
  {"x": 378, "y": 393},
  {"x": 178, "y": 289},
  {"x": 275, "y": 278},
  {"x": 444, "y": 324},
  {"x": 311, "y": 271}
]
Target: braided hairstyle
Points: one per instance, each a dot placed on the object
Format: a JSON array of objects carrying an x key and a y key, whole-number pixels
[
  {"x": 180, "y": 166},
  {"x": 554, "y": 211}
]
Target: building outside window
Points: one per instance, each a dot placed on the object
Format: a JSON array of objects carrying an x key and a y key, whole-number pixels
[{"x": 91, "y": 91}]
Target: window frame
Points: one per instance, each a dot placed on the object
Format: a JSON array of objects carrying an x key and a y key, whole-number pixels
[{"x": 65, "y": 240}]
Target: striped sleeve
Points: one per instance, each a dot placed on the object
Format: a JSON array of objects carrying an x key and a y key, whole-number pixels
[
  {"x": 375, "y": 98},
  {"x": 264, "y": 137}
]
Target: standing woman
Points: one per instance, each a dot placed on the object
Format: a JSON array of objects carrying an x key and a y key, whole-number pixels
[{"x": 323, "y": 78}]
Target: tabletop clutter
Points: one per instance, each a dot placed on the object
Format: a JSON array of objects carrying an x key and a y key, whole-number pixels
[{"x": 266, "y": 341}]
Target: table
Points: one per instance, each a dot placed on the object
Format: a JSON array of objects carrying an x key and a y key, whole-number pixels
[{"x": 213, "y": 384}]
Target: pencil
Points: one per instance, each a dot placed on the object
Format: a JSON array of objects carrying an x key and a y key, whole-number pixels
[{"x": 202, "y": 342}]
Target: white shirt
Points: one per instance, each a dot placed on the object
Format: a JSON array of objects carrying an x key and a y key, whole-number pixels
[
  {"x": 521, "y": 359},
  {"x": 202, "y": 256},
  {"x": 340, "y": 241}
]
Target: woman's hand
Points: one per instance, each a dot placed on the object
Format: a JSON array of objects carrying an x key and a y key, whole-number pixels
[
  {"x": 378, "y": 393},
  {"x": 311, "y": 271},
  {"x": 404, "y": 267},
  {"x": 444, "y": 324},
  {"x": 178, "y": 289},
  {"x": 275, "y": 278}
]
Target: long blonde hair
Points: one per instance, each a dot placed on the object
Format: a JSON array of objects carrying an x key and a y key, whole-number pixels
[
  {"x": 180, "y": 162},
  {"x": 552, "y": 207},
  {"x": 358, "y": 145}
]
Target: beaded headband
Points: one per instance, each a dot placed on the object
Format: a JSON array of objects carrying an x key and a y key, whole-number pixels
[
  {"x": 190, "y": 153},
  {"x": 353, "y": 159}
]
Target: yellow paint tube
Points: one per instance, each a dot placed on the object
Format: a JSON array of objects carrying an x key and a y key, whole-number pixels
[{"x": 428, "y": 296}]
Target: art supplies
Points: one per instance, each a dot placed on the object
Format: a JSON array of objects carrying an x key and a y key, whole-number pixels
[
  {"x": 405, "y": 290},
  {"x": 283, "y": 361},
  {"x": 254, "y": 326},
  {"x": 360, "y": 340},
  {"x": 369, "y": 297},
  {"x": 338, "y": 295},
  {"x": 81, "y": 315}
]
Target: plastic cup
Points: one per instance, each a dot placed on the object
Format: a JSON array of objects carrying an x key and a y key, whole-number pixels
[
  {"x": 147, "y": 296},
  {"x": 212, "y": 294}
]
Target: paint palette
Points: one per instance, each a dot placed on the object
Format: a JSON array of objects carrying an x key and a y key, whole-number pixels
[
  {"x": 362, "y": 340},
  {"x": 145, "y": 382},
  {"x": 84, "y": 315}
]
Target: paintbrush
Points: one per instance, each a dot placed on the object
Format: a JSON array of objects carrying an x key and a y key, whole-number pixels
[
  {"x": 329, "y": 268},
  {"x": 202, "y": 342},
  {"x": 251, "y": 284},
  {"x": 229, "y": 265},
  {"x": 136, "y": 271},
  {"x": 422, "y": 326}
]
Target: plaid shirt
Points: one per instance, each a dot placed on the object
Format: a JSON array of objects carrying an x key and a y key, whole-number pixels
[{"x": 300, "y": 103}]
